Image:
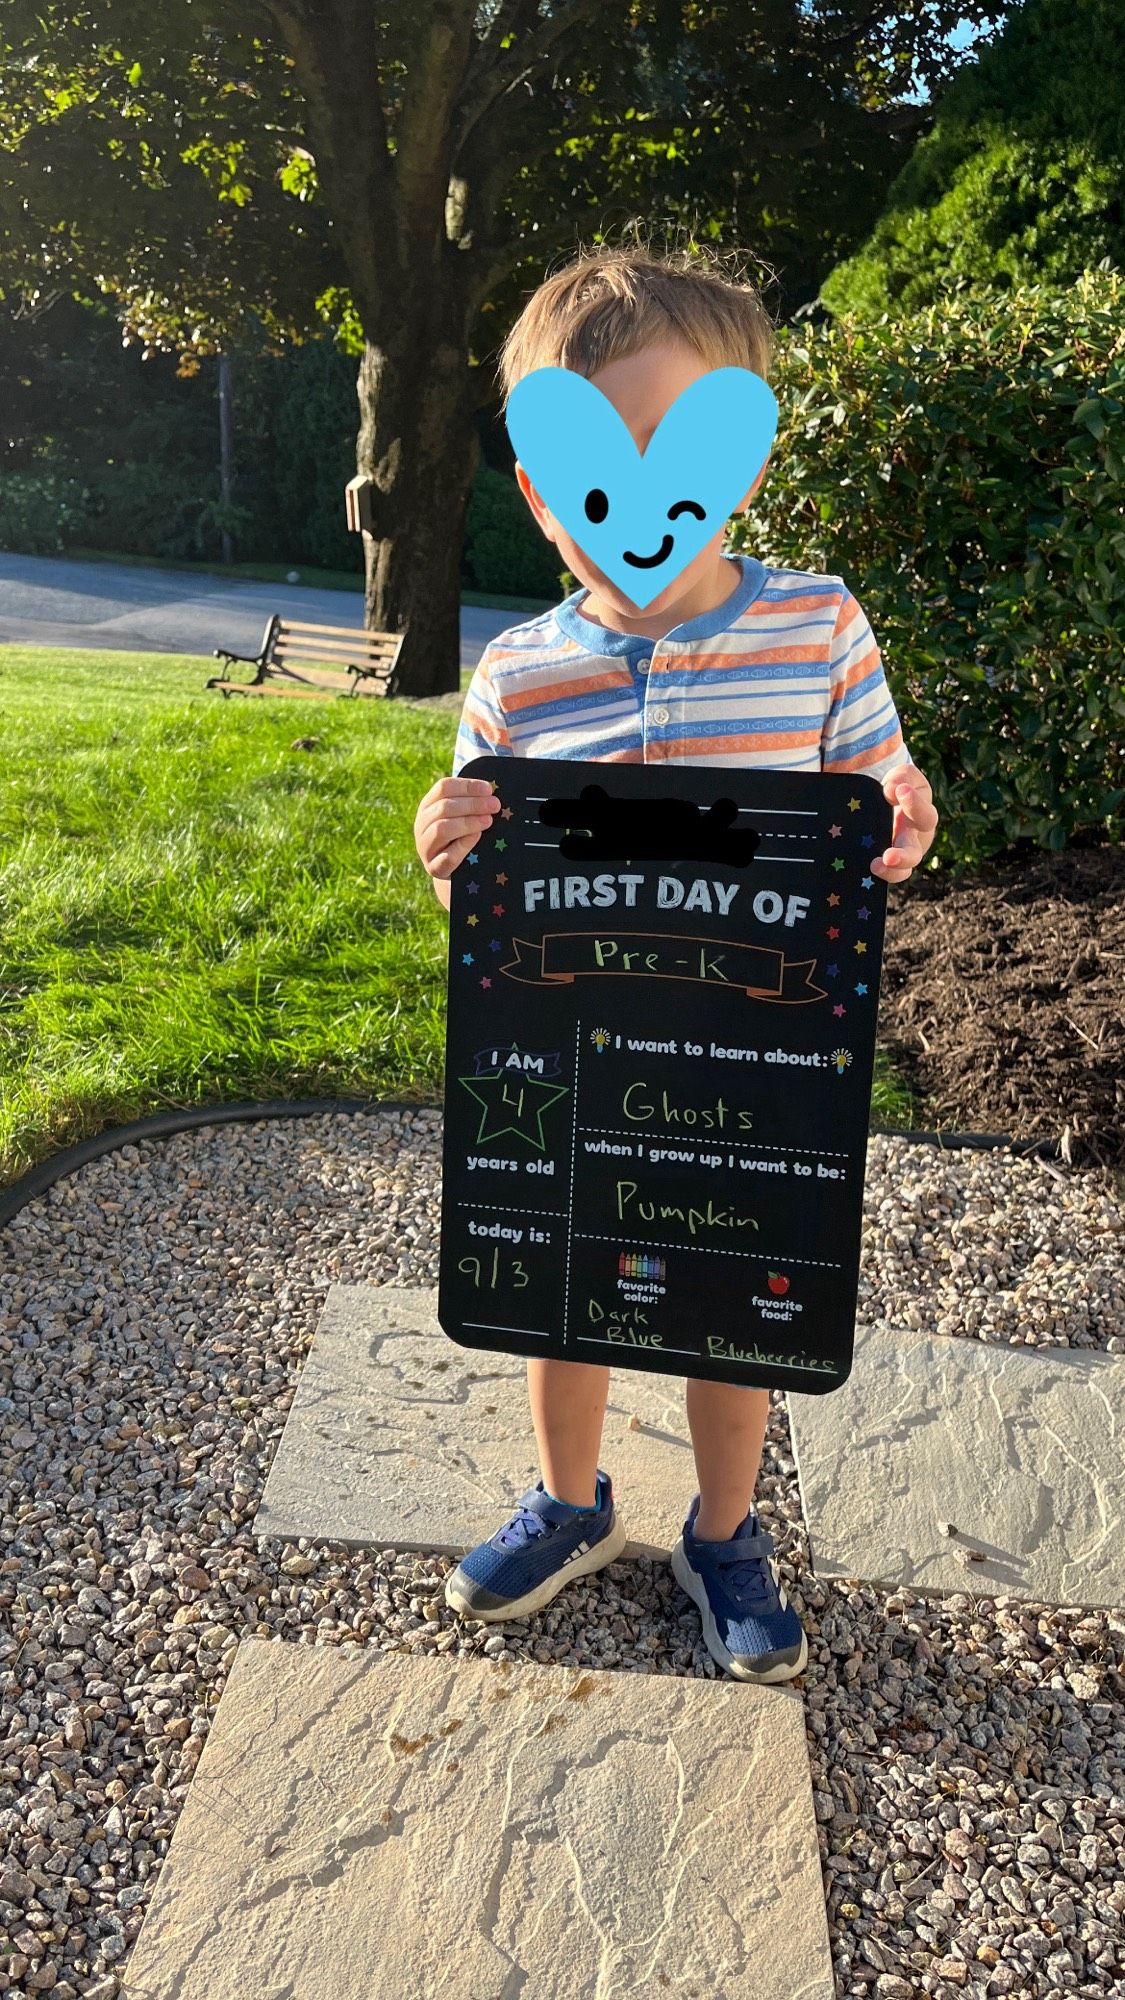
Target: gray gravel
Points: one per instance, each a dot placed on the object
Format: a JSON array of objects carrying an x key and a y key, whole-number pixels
[{"x": 968, "y": 1755}]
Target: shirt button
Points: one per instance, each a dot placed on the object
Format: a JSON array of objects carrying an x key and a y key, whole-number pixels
[
  {"x": 660, "y": 715},
  {"x": 643, "y": 666}
]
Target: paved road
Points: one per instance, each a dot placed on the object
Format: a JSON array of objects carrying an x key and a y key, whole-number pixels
[{"x": 50, "y": 601}]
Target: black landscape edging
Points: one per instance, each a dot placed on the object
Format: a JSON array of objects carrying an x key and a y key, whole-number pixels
[{"x": 164, "y": 1124}]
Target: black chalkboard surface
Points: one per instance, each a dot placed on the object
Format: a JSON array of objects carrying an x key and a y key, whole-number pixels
[{"x": 663, "y": 990}]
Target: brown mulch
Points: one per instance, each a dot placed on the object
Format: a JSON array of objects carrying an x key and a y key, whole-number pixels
[{"x": 1002, "y": 999}]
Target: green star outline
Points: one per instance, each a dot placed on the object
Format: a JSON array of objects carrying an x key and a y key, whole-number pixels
[{"x": 551, "y": 1092}]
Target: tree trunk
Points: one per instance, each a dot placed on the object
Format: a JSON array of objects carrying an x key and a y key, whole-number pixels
[
  {"x": 226, "y": 451},
  {"x": 418, "y": 443}
]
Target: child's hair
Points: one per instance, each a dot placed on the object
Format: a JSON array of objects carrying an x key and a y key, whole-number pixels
[{"x": 611, "y": 302}]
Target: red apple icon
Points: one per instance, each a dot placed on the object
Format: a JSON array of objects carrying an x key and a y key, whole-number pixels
[{"x": 778, "y": 1285}]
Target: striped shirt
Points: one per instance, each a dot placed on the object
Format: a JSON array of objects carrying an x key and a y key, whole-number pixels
[{"x": 784, "y": 676}]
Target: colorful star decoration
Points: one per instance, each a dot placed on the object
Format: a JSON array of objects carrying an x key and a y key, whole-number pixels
[
  {"x": 501, "y": 845},
  {"x": 835, "y": 832},
  {"x": 466, "y": 958},
  {"x": 497, "y": 909},
  {"x": 865, "y": 882},
  {"x": 473, "y": 888},
  {"x": 853, "y": 805},
  {"x": 832, "y": 931},
  {"x": 864, "y": 912},
  {"x": 505, "y": 812},
  {"x": 867, "y": 840},
  {"x": 503, "y": 881},
  {"x": 861, "y": 946},
  {"x": 837, "y": 1009},
  {"x": 474, "y": 919},
  {"x": 838, "y": 864},
  {"x": 833, "y": 971},
  {"x": 494, "y": 944},
  {"x": 486, "y": 982},
  {"x": 473, "y": 859},
  {"x": 861, "y": 988},
  {"x": 833, "y": 900}
]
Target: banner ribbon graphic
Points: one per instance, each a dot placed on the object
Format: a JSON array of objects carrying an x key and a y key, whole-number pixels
[{"x": 560, "y": 957}]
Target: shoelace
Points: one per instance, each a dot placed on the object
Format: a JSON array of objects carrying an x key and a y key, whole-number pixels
[
  {"x": 524, "y": 1528},
  {"x": 750, "y": 1575}
]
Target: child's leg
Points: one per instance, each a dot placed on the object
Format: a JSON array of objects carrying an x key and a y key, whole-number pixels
[
  {"x": 568, "y": 1410},
  {"x": 728, "y": 1426}
]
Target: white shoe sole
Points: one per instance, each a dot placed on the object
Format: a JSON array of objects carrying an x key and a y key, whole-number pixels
[
  {"x": 603, "y": 1552},
  {"x": 692, "y": 1584}
]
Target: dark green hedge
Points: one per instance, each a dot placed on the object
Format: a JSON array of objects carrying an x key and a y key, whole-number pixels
[{"x": 964, "y": 471}]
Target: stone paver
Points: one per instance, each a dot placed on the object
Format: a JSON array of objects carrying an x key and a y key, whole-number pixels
[
  {"x": 386, "y": 1825},
  {"x": 1021, "y": 1452},
  {"x": 399, "y": 1438}
]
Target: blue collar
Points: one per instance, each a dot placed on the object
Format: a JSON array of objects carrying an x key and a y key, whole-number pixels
[{"x": 598, "y": 640}]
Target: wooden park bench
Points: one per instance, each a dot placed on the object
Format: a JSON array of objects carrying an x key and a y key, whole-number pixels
[{"x": 310, "y": 662}]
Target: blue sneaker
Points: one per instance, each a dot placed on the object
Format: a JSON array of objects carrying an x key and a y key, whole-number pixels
[
  {"x": 749, "y": 1625},
  {"x": 538, "y": 1551}
]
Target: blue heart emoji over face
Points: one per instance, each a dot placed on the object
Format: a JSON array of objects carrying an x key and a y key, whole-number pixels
[{"x": 642, "y": 517}]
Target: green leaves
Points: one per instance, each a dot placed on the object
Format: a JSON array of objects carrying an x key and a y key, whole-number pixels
[{"x": 1090, "y": 414}]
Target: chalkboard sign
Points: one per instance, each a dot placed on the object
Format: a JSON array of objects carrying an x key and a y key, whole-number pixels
[{"x": 663, "y": 991}]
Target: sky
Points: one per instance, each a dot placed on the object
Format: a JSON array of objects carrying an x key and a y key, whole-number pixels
[{"x": 963, "y": 37}]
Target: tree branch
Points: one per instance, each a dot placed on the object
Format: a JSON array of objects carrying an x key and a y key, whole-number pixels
[
  {"x": 335, "y": 49},
  {"x": 518, "y": 65},
  {"x": 515, "y": 19},
  {"x": 424, "y": 145}
]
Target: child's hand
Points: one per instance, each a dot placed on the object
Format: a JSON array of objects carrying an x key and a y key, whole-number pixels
[
  {"x": 450, "y": 820},
  {"x": 915, "y": 823}
]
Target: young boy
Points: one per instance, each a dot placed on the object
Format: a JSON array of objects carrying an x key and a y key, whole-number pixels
[{"x": 734, "y": 663}]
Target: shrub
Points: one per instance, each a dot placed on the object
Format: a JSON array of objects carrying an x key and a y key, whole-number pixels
[
  {"x": 1019, "y": 180},
  {"x": 40, "y": 511},
  {"x": 151, "y": 509},
  {"x": 963, "y": 470},
  {"x": 311, "y": 455},
  {"x": 504, "y": 551}
]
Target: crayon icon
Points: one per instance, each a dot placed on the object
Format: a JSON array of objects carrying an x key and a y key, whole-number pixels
[{"x": 632, "y": 1264}]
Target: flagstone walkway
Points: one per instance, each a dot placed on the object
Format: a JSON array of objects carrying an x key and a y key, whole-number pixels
[
  {"x": 667, "y": 1827},
  {"x": 964, "y": 1748}
]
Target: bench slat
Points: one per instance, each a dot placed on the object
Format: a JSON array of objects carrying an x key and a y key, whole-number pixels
[
  {"x": 267, "y": 687},
  {"x": 305, "y": 650},
  {"x": 349, "y": 656},
  {"x": 326, "y": 676},
  {"x": 354, "y": 632},
  {"x": 329, "y": 677}
]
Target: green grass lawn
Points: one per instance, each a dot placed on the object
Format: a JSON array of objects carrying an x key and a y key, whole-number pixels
[{"x": 195, "y": 912}]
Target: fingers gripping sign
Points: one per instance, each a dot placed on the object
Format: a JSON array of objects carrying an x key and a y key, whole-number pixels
[
  {"x": 915, "y": 824},
  {"x": 450, "y": 821}
]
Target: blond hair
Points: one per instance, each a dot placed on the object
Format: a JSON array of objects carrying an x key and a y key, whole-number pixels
[{"x": 608, "y": 303}]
